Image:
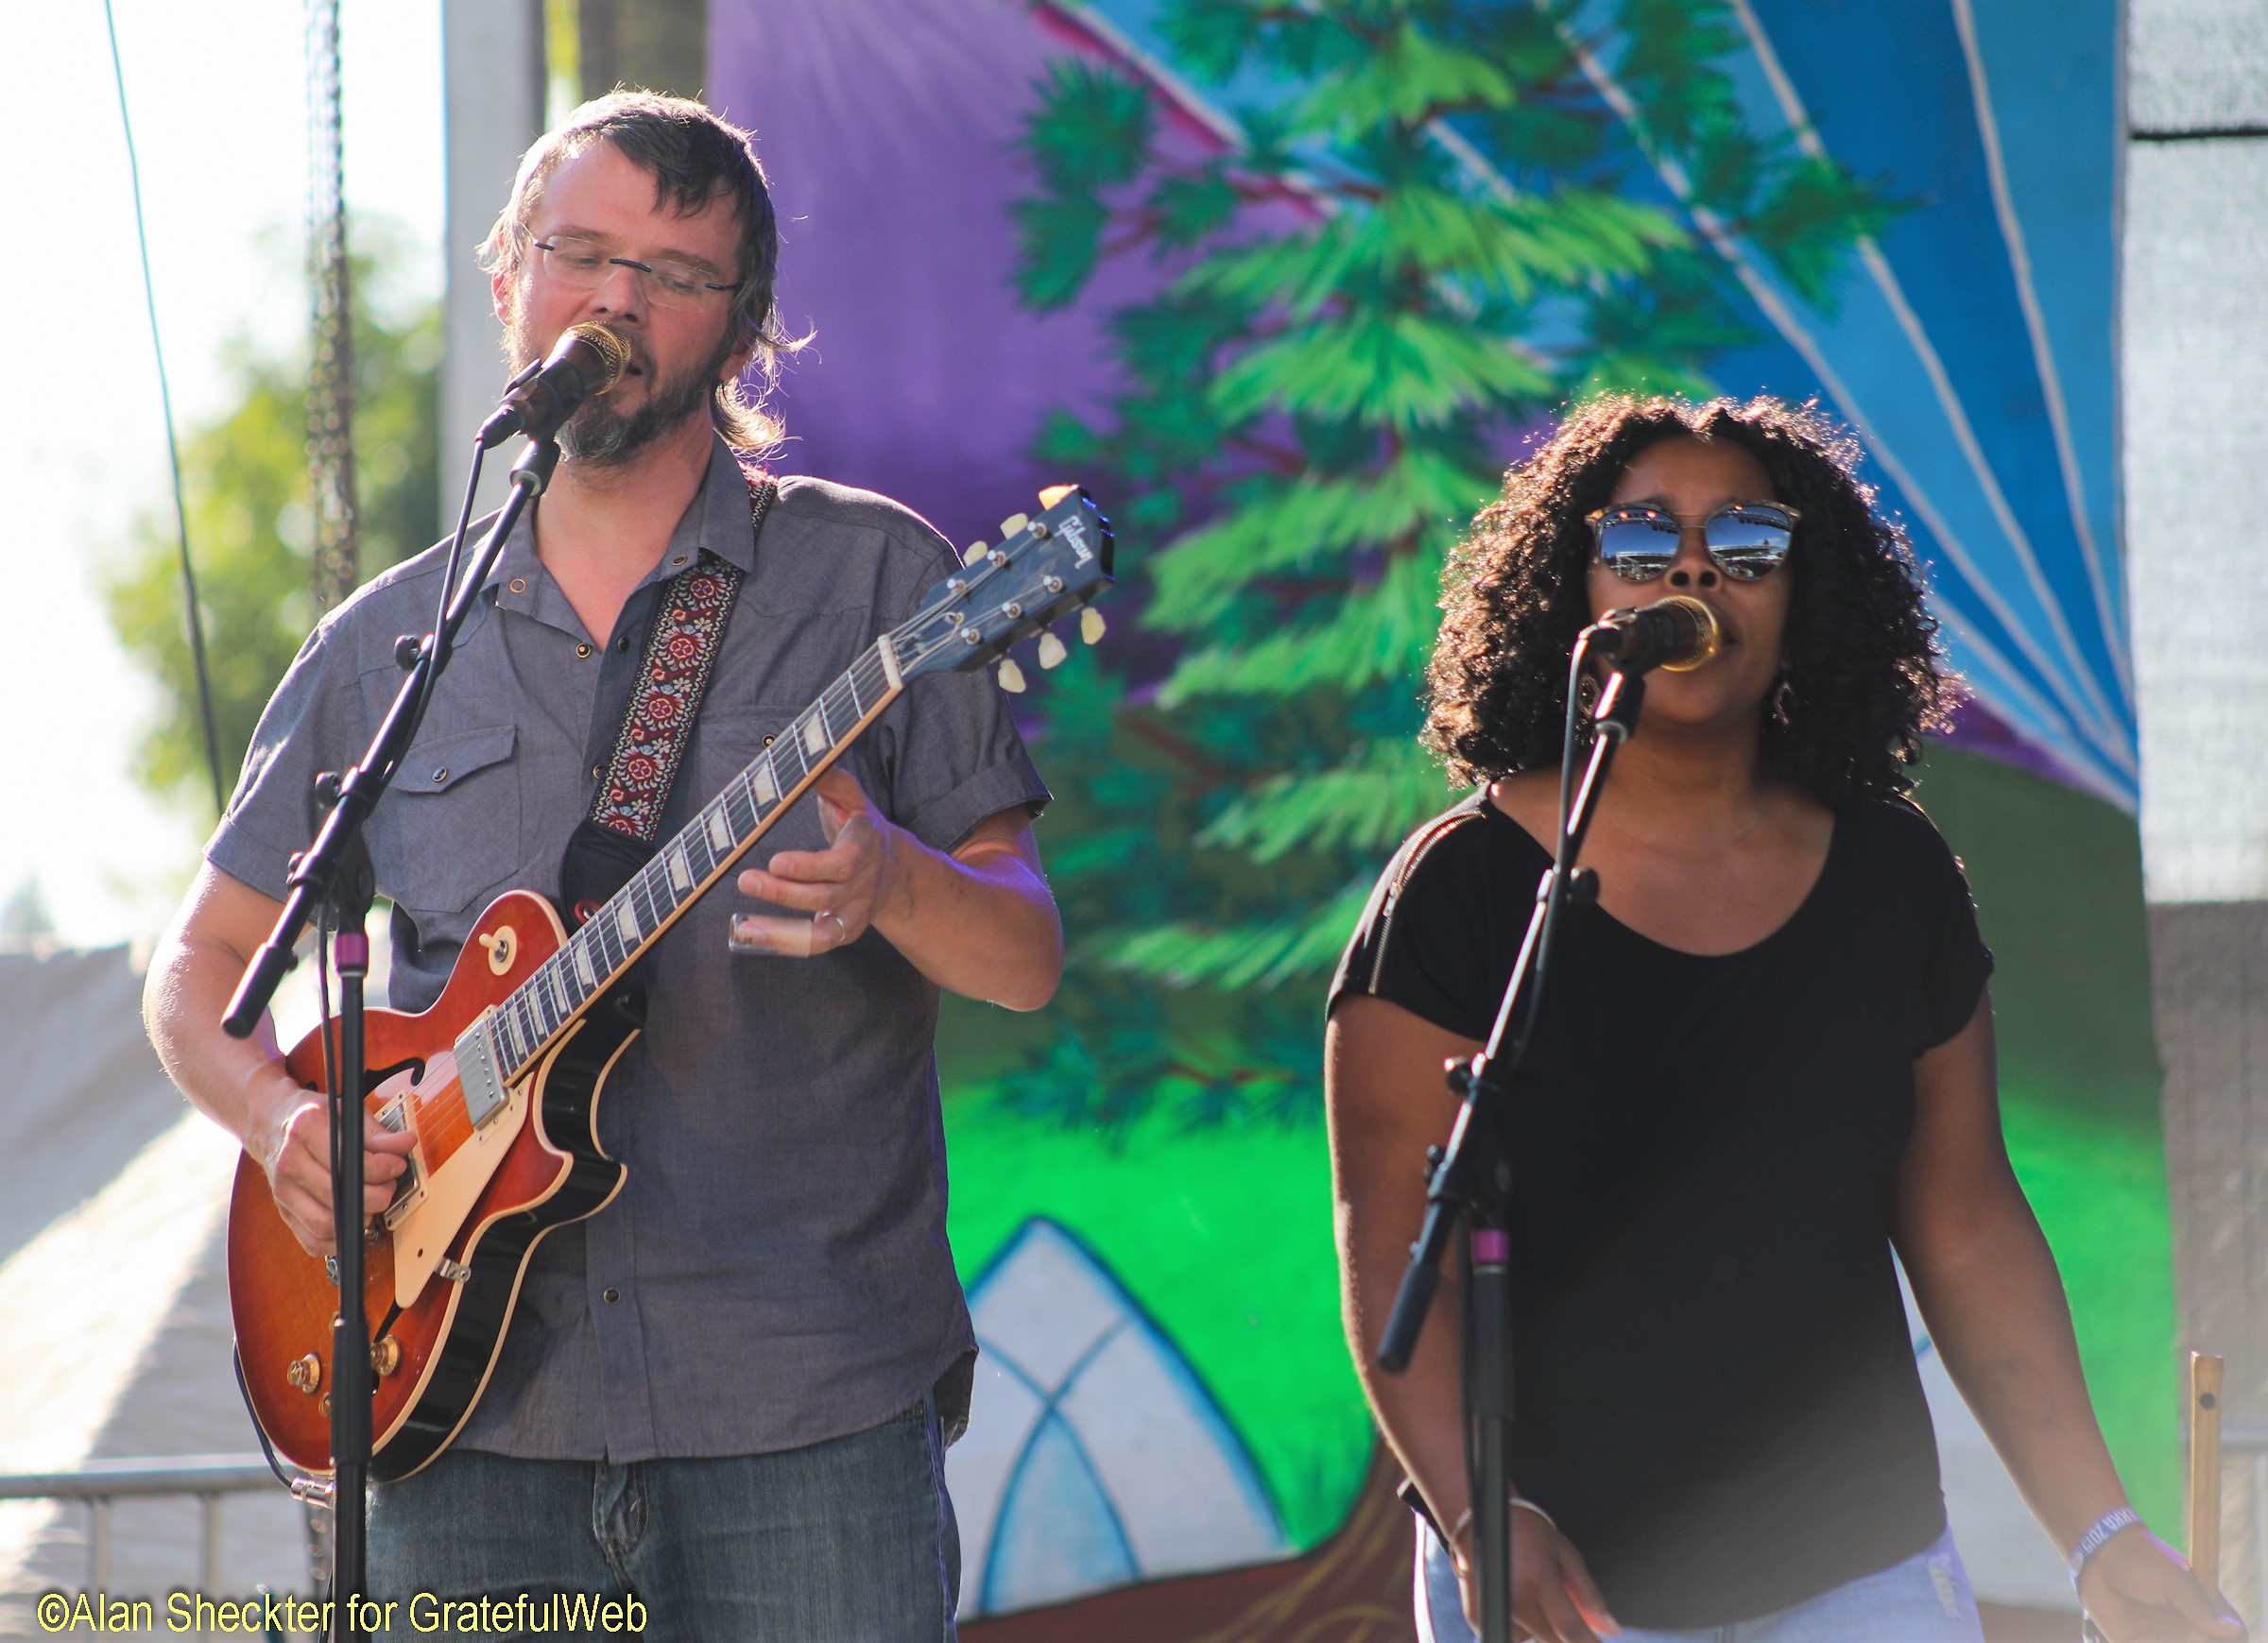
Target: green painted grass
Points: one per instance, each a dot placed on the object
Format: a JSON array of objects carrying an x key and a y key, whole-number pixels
[{"x": 2099, "y": 1189}]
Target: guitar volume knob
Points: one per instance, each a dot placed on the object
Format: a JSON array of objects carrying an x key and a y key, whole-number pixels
[{"x": 305, "y": 1373}]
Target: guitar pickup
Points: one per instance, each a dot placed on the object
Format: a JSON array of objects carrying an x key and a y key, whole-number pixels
[{"x": 476, "y": 1070}]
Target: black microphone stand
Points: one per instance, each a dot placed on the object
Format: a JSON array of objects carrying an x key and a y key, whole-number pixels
[
  {"x": 334, "y": 874},
  {"x": 1472, "y": 1174}
]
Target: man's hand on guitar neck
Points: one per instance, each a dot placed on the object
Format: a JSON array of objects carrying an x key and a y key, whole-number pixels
[
  {"x": 979, "y": 921},
  {"x": 240, "y": 1083}
]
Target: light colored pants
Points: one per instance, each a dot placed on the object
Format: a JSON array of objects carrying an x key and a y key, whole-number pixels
[{"x": 1923, "y": 1600}]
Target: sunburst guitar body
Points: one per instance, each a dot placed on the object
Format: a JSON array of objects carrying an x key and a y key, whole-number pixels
[{"x": 483, "y": 1197}]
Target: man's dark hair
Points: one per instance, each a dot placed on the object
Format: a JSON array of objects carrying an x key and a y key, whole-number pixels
[
  {"x": 696, "y": 160},
  {"x": 1864, "y": 673}
]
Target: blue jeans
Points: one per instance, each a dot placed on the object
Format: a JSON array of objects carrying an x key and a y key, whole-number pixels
[
  {"x": 1923, "y": 1600},
  {"x": 849, "y": 1541}
]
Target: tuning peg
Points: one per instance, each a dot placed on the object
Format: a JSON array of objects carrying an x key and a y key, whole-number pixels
[
  {"x": 974, "y": 552},
  {"x": 1011, "y": 676},
  {"x": 1091, "y": 625},
  {"x": 1013, "y": 525},
  {"x": 1051, "y": 651},
  {"x": 1055, "y": 493}
]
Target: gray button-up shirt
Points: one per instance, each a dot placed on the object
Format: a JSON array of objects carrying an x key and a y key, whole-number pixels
[{"x": 775, "y": 1271}]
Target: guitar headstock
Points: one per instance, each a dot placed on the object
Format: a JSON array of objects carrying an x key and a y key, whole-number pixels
[{"x": 1042, "y": 570}]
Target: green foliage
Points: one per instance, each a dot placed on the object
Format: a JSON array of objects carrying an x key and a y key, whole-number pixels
[
  {"x": 244, "y": 477},
  {"x": 1428, "y": 239}
]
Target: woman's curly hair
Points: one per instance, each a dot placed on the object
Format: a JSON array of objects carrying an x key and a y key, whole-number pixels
[{"x": 1863, "y": 669}]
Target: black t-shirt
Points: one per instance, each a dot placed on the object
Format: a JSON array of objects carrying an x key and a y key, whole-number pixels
[{"x": 1713, "y": 1389}]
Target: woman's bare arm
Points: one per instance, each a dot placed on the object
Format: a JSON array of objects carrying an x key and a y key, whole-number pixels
[
  {"x": 1995, "y": 1306},
  {"x": 1386, "y": 1102}
]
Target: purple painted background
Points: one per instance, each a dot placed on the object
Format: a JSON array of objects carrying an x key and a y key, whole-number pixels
[{"x": 888, "y": 130}]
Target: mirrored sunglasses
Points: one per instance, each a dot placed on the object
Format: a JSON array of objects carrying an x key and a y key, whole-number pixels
[{"x": 1746, "y": 539}]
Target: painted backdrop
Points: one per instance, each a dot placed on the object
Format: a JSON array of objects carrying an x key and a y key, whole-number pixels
[{"x": 1165, "y": 1394}]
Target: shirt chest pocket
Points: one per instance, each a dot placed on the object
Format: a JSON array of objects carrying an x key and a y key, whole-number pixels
[
  {"x": 728, "y": 744},
  {"x": 454, "y": 828}
]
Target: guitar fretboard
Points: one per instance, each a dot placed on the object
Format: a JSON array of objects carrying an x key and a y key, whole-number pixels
[{"x": 618, "y": 932}]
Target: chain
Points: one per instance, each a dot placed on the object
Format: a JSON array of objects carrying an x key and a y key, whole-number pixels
[{"x": 330, "y": 381}]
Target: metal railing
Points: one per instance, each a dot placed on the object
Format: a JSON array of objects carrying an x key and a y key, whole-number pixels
[
  {"x": 2251, "y": 1441},
  {"x": 208, "y": 1478}
]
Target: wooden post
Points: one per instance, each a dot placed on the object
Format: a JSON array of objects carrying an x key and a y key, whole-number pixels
[{"x": 2205, "y": 1470}]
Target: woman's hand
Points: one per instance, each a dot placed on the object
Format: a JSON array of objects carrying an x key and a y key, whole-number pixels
[
  {"x": 1553, "y": 1600},
  {"x": 2136, "y": 1589}
]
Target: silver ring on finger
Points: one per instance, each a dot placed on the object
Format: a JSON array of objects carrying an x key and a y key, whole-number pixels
[{"x": 829, "y": 915}]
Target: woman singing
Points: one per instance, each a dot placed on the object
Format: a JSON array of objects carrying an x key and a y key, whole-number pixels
[{"x": 1764, "y": 1062}]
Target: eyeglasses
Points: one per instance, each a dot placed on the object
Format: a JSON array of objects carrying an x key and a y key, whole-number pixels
[
  {"x": 1746, "y": 539},
  {"x": 669, "y": 284}
]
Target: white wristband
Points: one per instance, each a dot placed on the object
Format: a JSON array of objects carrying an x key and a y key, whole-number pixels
[
  {"x": 2098, "y": 1533},
  {"x": 1521, "y": 1501}
]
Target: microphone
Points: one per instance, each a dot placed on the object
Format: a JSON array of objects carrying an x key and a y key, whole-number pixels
[
  {"x": 585, "y": 362},
  {"x": 1676, "y": 635}
]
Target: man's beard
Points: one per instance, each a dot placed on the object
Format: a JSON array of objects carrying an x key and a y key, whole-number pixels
[{"x": 603, "y": 438}]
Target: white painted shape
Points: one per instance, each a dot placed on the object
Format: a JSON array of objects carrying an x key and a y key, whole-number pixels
[
  {"x": 1045, "y": 1306},
  {"x": 2194, "y": 341},
  {"x": 85, "y": 1300},
  {"x": 1001, "y": 1413},
  {"x": 1183, "y": 1494}
]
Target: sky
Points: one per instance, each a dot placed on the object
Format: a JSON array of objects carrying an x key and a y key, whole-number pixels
[{"x": 216, "y": 92}]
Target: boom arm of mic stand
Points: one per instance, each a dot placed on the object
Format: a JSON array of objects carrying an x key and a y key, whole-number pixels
[
  {"x": 366, "y": 782},
  {"x": 1473, "y": 1179},
  {"x": 1454, "y": 1188}
]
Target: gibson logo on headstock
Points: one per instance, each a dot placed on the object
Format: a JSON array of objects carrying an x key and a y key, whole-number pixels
[{"x": 1074, "y": 530}]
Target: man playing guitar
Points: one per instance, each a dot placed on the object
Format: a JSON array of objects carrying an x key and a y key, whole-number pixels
[{"x": 729, "y": 1392}]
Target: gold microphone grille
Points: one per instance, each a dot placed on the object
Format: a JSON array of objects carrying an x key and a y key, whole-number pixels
[
  {"x": 1712, "y": 634},
  {"x": 614, "y": 352}
]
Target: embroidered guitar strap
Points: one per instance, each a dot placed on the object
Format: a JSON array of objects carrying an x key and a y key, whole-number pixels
[{"x": 618, "y": 836}]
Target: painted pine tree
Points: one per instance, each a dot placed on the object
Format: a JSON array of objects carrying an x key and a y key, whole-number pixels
[{"x": 1433, "y": 231}]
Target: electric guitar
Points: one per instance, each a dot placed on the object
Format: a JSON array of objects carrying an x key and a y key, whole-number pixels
[{"x": 500, "y": 1079}]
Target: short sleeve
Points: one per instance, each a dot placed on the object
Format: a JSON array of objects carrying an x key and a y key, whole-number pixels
[
  {"x": 1956, "y": 963},
  {"x": 1423, "y": 941},
  {"x": 955, "y": 756},
  {"x": 305, "y": 729}
]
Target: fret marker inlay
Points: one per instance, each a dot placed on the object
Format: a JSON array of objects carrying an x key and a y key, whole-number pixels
[
  {"x": 720, "y": 830},
  {"x": 766, "y": 788},
  {"x": 626, "y": 921},
  {"x": 679, "y": 874},
  {"x": 815, "y": 733}
]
